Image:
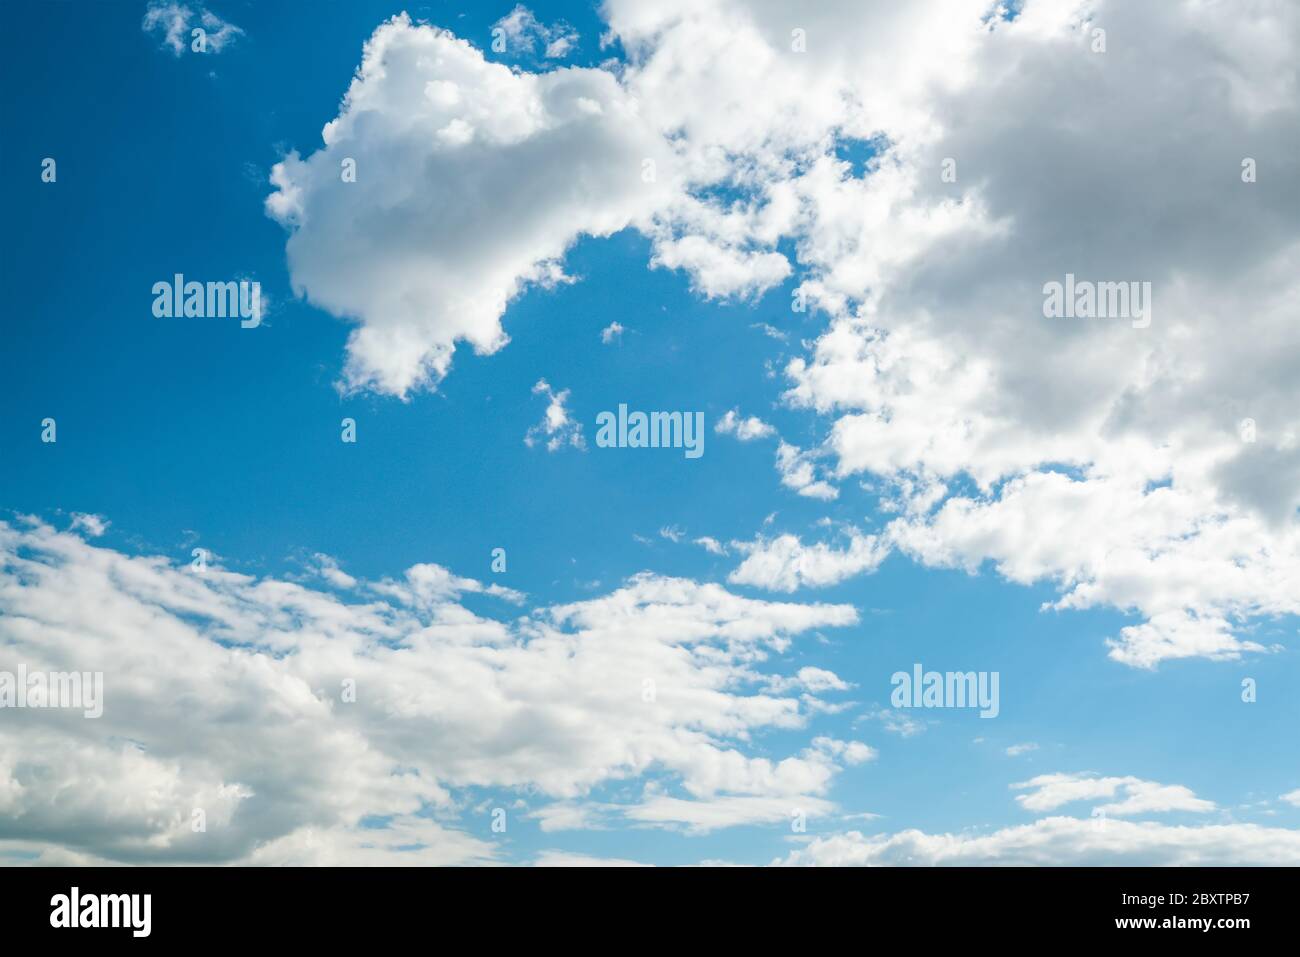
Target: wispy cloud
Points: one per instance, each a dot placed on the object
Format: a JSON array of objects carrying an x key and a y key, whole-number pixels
[
  {"x": 521, "y": 32},
  {"x": 557, "y": 427},
  {"x": 185, "y": 27}
]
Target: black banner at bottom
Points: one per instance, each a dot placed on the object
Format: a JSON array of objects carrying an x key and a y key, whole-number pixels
[{"x": 336, "y": 906}]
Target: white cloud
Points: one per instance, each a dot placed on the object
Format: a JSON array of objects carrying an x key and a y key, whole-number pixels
[
  {"x": 557, "y": 427},
  {"x": 937, "y": 364},
  {"x": 850, "y": 752},
  {"x": 747, "y": 430},
  {"x": 328, "y": 569},
  {"x": 1062, "y": 841},
  {"x": 1108, "y": 541},
  {"x": 224, "y": 692},
  {"x": 819, "y": 679},
  {"x": 471, "y": 183},
  {"x": 611, "y": 332},
  {"x": 522, "y": 32},
  {"x": 177, "y": 21},
  {"x": 1015, "y": 750},
  {"x": 785, "y": 564},
  {"x": 701, "y": 817},
  {"x": 568, "y": 816},
  {"x": 406, "y": 841},
  {"x": 711, "y": 545},
  {"x": 93, "y": 525},
  {"x": 1292, "y": 797},
  {"x": 425, "y": 586},
  {"x": 569, "y": 859},
  {"x": 1051, "y": 791},
  {"x": 898, "y": 722},
  {"x": 1069, "y": 841},
  {"x": 773, "y": 792},
  {"x": 770, "y": 331},
  {"x": 718, "y": 271},
  {"x": 798, "y": 471}
]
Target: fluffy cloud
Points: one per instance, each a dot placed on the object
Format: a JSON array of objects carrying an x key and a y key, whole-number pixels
[
  {"x": 1047, "y": 792},
  {"x": 93, "y": 525},
  {"x": 910, "y": 165},
  {"x": 798, "y": 470},
  {"x": 1105, "y": 458},
  {"x": 1189, "y": 565},
  {"x": 772, "y": 792},
  {"x": 295, "y": 717},
  {"x": 471, "y": 182},
  {"x": 819, "y": 679},
  {"x": 747, "y": 430},
  {"x": 785, "y": 563}
]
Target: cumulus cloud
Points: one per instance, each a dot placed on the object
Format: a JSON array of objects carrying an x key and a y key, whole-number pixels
[
  {"x": 778, "y": 791},
  {"x": 719, "y": 271},
  {"x": 938, "y": 364},
  {"x": 471, "y": 182},
  {"x": 1105, "y": 459},
  {"x": 292, "y": 716},
  {"x": 747, "y": 430},
  {"x": 786, "y": 564},
  {"x": 941, "y": 364}
]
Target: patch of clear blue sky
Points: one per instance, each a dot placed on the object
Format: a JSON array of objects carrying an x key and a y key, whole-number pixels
[{"x": 186, "y": 432}]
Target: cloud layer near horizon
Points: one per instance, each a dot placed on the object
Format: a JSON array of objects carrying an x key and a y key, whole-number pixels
[{"x": 227, "y": 693}]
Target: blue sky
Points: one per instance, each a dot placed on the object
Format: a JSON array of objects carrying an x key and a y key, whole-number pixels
[{"x": 185, "y": 433}]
